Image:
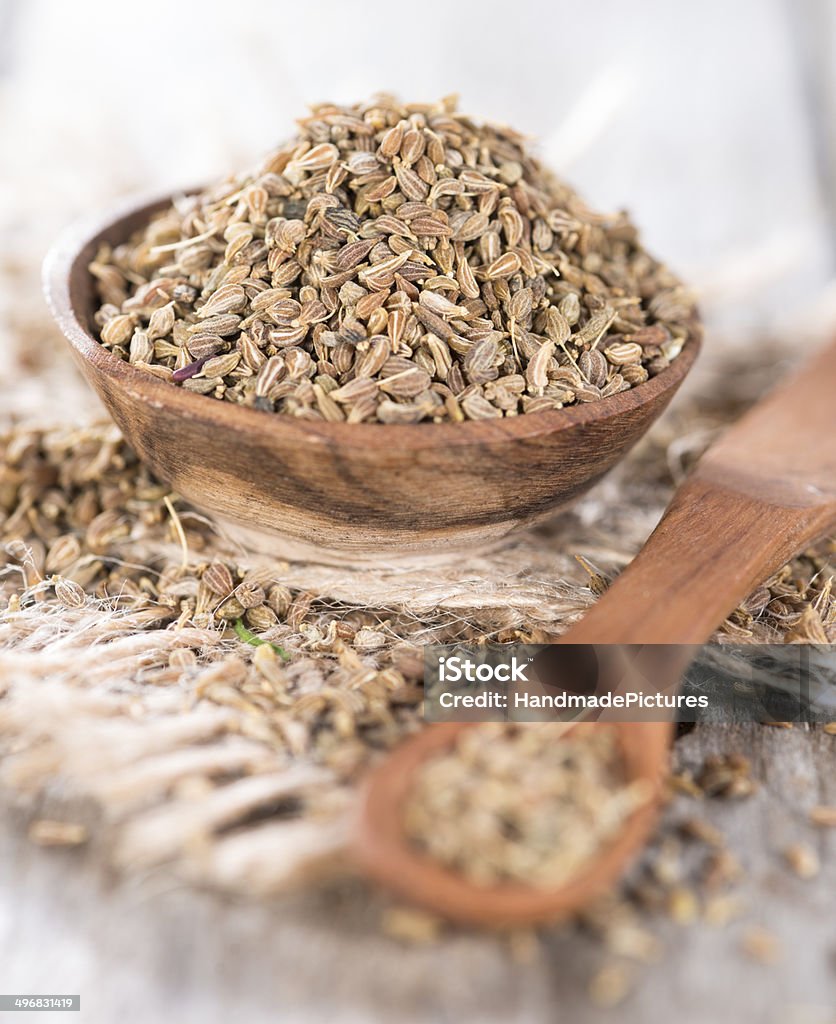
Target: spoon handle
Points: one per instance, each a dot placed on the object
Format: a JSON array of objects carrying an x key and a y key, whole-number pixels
[{"x": 763, "y": 492}]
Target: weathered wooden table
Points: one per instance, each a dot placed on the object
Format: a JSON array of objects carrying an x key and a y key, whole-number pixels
[{"x": 149, "y": 949}]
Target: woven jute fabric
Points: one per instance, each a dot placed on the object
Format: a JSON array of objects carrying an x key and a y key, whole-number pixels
[{"x": 135, "y": 714}]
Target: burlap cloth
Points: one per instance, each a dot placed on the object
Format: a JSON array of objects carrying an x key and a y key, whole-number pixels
[{"x": 134, "y": 716}]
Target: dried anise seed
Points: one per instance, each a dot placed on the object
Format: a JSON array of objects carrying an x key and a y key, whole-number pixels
[
  {"x": 391, "y": 232},
  {"x": 219, "y": 579},
  {"x": 524, "y": 803}
]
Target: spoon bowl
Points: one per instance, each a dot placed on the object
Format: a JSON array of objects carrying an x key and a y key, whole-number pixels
[
  {"x": 346, "y": 493},
  {"x": 387, "y": 856}
]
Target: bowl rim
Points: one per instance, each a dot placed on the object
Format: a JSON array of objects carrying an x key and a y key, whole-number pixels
[{"x": 68, "y": 257}]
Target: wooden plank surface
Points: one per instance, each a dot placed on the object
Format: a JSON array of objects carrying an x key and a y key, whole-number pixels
[{"x": 147, "y": 949}]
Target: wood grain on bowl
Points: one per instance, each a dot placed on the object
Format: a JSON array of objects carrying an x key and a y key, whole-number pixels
[{"x": 348, "y": 492}]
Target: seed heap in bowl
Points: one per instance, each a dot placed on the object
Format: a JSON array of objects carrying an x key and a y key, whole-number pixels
[
  {"x": 524, "y": 803},
  {"x": 394, "y": 263}
]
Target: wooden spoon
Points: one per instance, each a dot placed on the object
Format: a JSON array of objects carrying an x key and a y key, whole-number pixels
[
  {"x": 333, "y": 492},
  {"x": 762, "y": 493}
]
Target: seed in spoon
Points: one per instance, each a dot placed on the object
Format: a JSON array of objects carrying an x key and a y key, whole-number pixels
[{"x": 526, "y": 803}]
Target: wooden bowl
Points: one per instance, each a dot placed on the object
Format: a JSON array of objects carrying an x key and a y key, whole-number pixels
[{"x": 344, "y": 493}]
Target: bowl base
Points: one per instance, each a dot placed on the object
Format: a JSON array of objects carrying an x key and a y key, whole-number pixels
[{"x": 415, "y": 552}]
